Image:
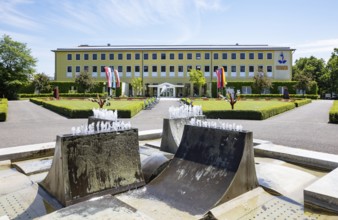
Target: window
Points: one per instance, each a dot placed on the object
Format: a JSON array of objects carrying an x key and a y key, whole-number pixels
[
  {"x": 145, "y": 69},
  {"x": 86, "y": 56},
  {"x": 215, "y": 68},
  {"x": 207, "y": 56},
  {"x": 137, "y": 56},
  {"x": 233, "y": 69},
  {"x": 180, "y": 56},
  {"x": 251, "y": 69},
  {"x": 172, "y": 68},
  {"x": 94, "y": 69},
  {"x": 86, "y": 68},
  {"x": 180, "y": 68},
  {"x": 145, "y": 56},
  {"x": 242, "y": 69},
  {"x": 69, "y": 56},
  {"x": 225, "y": 69},
  {"x": 103, "y": 56},
  {"x": 189, "y": 67},
  {"x": 163, "y": 56},
  {"x": 120, "y": 57},
  {"x": 163, "y": 69},
  {"x": 269, "y": 56},
  {"x": 111, "y": 56},
  {"x": 103, "y": 72},
  {"x": 260, "y": 68},
  {"x": 120, "y": 69},
  {"x": 77, "y": 56},
  {"x": 137, "y": 68},
  {"x": 128, "y": 56},
  {"x": 198, "y": 67},
  {"x": 198, "y": 56},
  {"x": 77, "y": 69},
  {"x": 69, "y": 69},
  {"x": 251, "y": 56},
  {"x": 206, "y": 68},
  {"x": 172, "y": 56},
  {"x": 154, "y": 68},
  {"x": 260, "y": 56},
  {"x": 128, "y": 69},
  {"x": 242, "y": 56},
  {"x": 269, "y": 69},
  {"x": 189, "y": 56},
  {"x": 154, "y": 56},
  {"x": 233, "y": 56},
  {"x": 215, "y": 56},
  {"x": 224, "y": 56},
  {"x": 94, "y": 56}
]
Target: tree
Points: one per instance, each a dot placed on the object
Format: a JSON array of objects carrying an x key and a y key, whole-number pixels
[
  {"x": 137, "y": 85},
  {"x": 84, "y": 81},
  {"x": 16, "y": 66},
  {"x": 313, "y": 68},
  {"x": 261, "y": 81},
  {"x": 197, "y": 78},
  {"x": 332, "y": 72},
  {"x": 41, "y": 83},
  {"x": 304, "y": 81}
]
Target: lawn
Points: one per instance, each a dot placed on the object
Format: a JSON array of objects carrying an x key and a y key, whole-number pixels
[
  {"x": 244, "y": 109},
  {"x": 83, "y": 108}
]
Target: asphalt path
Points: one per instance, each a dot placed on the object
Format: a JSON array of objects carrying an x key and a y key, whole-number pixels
[{"x": 305, "y": 127}]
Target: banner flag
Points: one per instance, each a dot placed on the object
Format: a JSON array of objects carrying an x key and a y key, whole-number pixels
[
  {"x": 117, "y": 78},
  {"x": 224, "y": 78},
  {"x": 114, "y": 78},
  {"x": 218, "y": 79},
  {"x": 106, "y": 69}
]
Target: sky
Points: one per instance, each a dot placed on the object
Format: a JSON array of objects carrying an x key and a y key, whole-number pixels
[{"x": 309, "y": 26}]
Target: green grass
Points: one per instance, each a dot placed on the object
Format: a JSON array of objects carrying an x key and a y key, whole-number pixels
[
  {"x": 333, "y": 114},
  {"x": 3, "y": 109},
  {"x": 83, "y": 108},
  {"x": 248, "y": 109}
]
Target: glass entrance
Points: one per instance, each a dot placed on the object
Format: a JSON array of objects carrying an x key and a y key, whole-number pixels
[{"x": 167, "y": 92}]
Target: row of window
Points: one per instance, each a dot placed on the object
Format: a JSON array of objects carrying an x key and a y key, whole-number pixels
[
  {"x": 154, "y": 68},
  {"x": 171, "y": 56}
]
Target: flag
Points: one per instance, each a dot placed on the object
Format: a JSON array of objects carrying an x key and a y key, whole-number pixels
[
  {"x": 114, "y": 79},
  {"x": 218, "y": 78},
  {"x": 117, "y": 78},
  {"x": 223, "y": 78},
  {"x": 110, "y": 77},
  {"x": 106, "y": 69}
]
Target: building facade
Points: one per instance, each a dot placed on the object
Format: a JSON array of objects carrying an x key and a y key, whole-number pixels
[{"x": 165, "y": 69}]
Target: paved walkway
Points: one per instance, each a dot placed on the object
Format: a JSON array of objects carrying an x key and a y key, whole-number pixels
[{"x": 305, "y": 127}]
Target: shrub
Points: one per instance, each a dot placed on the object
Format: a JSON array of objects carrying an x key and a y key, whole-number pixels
[
  {"x": 3, "y": 109},
  {"x": 300, "y": 102},
  {"x": 333, "y": 114}
]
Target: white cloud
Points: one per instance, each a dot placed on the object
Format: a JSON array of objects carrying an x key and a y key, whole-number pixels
[{"x": 11, "y": 15}]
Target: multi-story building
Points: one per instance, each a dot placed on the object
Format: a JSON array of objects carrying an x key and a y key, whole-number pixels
[{"x": 165, "y": 69}]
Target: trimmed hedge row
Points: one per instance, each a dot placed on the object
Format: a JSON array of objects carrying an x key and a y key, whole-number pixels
[
  {"x": 274, "y": 90},
  {"x": 333, "y": 114},
  {"x": 3, "y": 109},
  {"x": 85, "y": 113},
  {"x": 296, "y": 96},
  {"x": 249, "y": 114},
  {"x": 301, "y": 102},
  {"x": 64, "y": 87},
  {"x": 68, "y": 95}
]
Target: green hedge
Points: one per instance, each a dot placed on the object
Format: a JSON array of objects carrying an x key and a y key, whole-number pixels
[
  {"x": 274, "y": 90},
  {"x": 85, "y": 113},
  {"x": 333, "y": 114},
  {"x": 301, "y": 102},
  {"x": 3, "y": 109},
  {"x": 65, "y": 87},
  {"x": 249, "y": 114},
  {"x": 296, "y": 96},
  {"x": 68, "y": 95}
]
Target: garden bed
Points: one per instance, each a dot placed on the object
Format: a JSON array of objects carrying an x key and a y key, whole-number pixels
[
  {"x": 3, "y": 109},
  {"x": 333, "y": 114}
]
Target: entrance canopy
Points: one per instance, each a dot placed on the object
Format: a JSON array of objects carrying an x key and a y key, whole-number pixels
[{"x": 166, "y": 89}]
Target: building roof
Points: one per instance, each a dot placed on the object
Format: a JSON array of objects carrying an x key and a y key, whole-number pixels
[{"x": 171, "y": 47}]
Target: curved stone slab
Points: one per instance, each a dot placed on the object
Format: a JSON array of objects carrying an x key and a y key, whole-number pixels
[
  {"x": 210, "y": 167},
  {"x": 172, "y": 133},
  {"x": 96, "y": 164}
]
